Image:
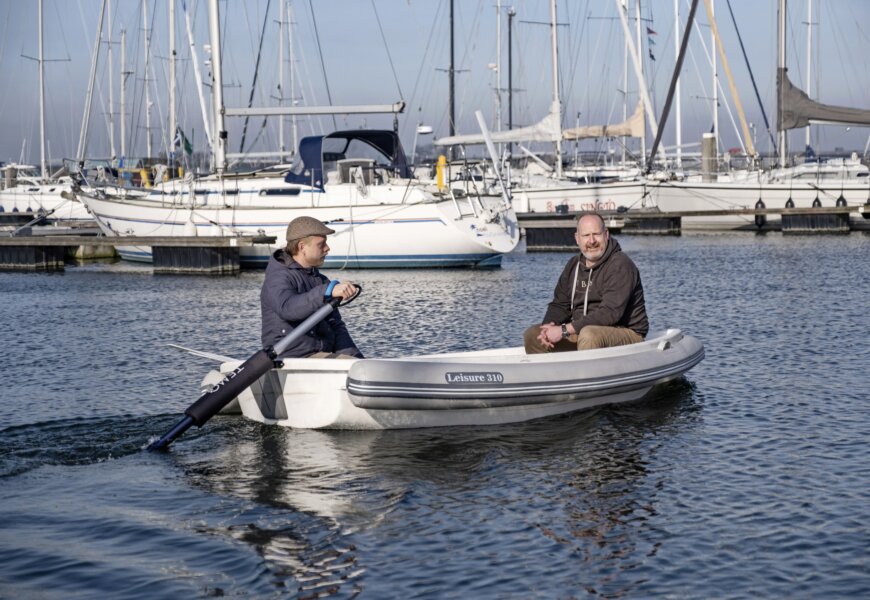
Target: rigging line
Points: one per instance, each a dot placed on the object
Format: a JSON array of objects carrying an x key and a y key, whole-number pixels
[
  {"x": 752, "y": 78},
  {"x": 322, "y": 64},
  {"x": 138, "y": 93},
  {"x": 843, "y": 45},
  {"x": 423, "y": 62},
  {"x": 256, "y": 72},
  {"x": 575, "y": 47},
  {"x": 387, "y": 48},
  {"x": 3, "y": 39},
  {"x": 67, "y": 123}
]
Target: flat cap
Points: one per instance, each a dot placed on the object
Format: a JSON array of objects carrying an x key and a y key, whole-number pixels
[{"x": 302, "y": 227}]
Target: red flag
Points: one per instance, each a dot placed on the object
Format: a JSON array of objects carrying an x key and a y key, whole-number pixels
[{"x": 650, "y": 31}]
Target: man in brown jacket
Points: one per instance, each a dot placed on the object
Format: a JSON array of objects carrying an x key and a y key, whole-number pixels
[{"x": 598, "y": 300}]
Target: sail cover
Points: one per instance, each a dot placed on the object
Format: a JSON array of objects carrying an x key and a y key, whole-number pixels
[
  {"x": 631, "y": 127},
  {"x": 545, "y": 130},
  {"x": 549, "y": 130},
  {"x": 796, "y": 109}
]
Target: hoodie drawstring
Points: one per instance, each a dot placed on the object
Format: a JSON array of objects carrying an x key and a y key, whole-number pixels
[{"x": 574, "y": 288}]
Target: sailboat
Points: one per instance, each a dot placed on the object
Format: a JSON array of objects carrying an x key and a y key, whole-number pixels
[
  {"x": 554, "y": 191},
  {"x": 358, "y": 182},
  {"x": 845, "y": 183},
  {"x": 24, "y": 190}
]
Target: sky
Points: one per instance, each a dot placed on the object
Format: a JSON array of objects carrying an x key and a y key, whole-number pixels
[{"x": 383, "y": 51}]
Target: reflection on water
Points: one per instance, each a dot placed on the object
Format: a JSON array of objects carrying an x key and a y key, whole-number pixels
[{"x": 330, "y": 494}]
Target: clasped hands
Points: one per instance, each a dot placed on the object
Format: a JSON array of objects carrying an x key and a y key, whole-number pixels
[{"x": 551, "y": 333}]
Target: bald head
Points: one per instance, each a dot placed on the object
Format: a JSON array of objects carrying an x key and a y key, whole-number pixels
[
  {"x": 593, "y": 219},
  {"x": 592, "y": 237}
]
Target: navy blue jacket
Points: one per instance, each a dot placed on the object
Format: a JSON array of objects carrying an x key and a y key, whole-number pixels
[{"x": 291, "y": 294}]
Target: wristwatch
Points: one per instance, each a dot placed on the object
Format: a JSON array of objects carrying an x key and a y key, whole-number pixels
[{"x": 565, "y": 333}]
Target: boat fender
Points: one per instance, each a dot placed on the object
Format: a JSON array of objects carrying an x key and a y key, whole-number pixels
[
  {"x": 817, "y": 203},
  {"x": 841, "y": 201},
  {"x": 789, "y": 203},
  {"x": 330, "y": 287},
  {"x": 760, "y": 220}
]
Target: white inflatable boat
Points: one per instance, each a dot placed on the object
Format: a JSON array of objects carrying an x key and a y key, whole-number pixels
[{"x": 468, "y": 388}]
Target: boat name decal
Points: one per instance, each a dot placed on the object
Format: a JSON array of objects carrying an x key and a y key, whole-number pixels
[
  {"x": 476, "y": 377},
  {"x": 223, "y": 381}
]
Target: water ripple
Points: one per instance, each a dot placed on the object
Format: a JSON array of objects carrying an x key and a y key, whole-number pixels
[{"x": 748, "y": 478}]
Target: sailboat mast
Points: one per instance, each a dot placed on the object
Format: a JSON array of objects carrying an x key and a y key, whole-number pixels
[
  {"x": 42, "y": 164},
  {"x": 83, "y": 133},
  {"x": 673, "y": 85},
  {"x": 625, "y": 92},
  {"x": 123, "y": 106},
  {"x": 293, "y": 122},
  {"x": 511, "y": 14},
  {"x": 557, "y": 105},
  {"x": 452, "y": 89},
  {"x": 638, "y": 69},
  {"x": 809, "y": 60},
  {"x": 220, "y": 139},
  {"x": 197, "y": 74},
  {"x": 678, "y": 110},
  {"x": 173, "y": 116},
  {"x": 145, "y": 79},
  {"x": 281, "y": 25},
  {"x": 747, "y": 143},
  {"x": 780, "y": 67},
  {"x": 640, "y": 79},
  {"x": 498, "y": 65},
  {"x": 713, "y": 44},
  {"x": 111, "y": 82}
]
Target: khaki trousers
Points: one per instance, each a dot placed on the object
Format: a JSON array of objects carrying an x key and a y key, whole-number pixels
[
  {"x": 329, "y": 355},
  {"x": 591, "y": 336}
]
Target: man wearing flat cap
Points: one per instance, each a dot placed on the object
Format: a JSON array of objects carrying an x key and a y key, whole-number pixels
[{"x": 294, "y": 289}]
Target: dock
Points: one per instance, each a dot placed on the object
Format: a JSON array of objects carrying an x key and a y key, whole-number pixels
[
  {"x": 170, "y": 255},
  {"x": 554, "y": 232}
]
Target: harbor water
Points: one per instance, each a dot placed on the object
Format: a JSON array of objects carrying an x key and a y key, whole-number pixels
[{"x": 748, "y": 478}]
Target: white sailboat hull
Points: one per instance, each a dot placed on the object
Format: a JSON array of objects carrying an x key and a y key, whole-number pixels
[
  {"x": 579, "y": 197},
  {"x": 391, "y": 225},
  {"x": 44, "y": 198},
  {"x": 682, "y": 197},
  {"x": 678, "y": 196}
]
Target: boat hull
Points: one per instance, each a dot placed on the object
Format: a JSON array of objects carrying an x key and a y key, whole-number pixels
[
  {"x": 472, "y": 388},
  {"x": 52, "y": 199},
  {"x": 685, "y": 197},
  {"x": 677, "y": 196},
  {"x": 595, "y": 197},
  {"x": 383, "y": 230}
]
